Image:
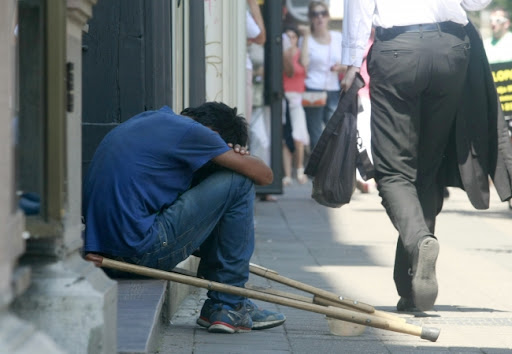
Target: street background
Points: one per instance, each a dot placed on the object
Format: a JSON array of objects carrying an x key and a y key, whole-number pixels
[{"x": 350, "y": 251}]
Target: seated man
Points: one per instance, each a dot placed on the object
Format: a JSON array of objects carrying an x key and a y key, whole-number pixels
[{"x": 146, "y": 203}]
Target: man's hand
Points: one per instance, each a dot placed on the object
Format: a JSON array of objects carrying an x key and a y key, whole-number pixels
[
  {"x": 239, "y": 149},
  {"x": 349, "y": 77}
]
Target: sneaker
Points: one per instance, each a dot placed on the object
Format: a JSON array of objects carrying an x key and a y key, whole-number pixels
[
  {"x": 301, "y": 177},
  {"x": 206, "y": 312},
  {"x": 287, "y": 181},
  {"x": 263, "y": 319},
  {"x": 222, "y": 318},
  {"x": 424, "y": 282}
]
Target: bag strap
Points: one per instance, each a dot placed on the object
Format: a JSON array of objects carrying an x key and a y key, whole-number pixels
[{"x": 328, "y": 62}]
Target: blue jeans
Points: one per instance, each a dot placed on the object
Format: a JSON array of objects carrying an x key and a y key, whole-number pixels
[
  {"x": 216, "y": 216},
  {"x": 317, "y": 117}
]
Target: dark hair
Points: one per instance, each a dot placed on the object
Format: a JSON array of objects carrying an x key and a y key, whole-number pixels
[
  {"x": 222, "y": 119},
  {"x": 502, "y": 9},
  {"x": 292, "y": 28}
]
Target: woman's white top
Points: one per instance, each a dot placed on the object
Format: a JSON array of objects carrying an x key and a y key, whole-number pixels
[{"x": 321, "y": 58}]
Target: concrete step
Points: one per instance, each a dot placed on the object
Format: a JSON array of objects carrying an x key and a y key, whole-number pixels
[
  {"x": 143, "y": 305},
  {"x": 139, "y": 309}
]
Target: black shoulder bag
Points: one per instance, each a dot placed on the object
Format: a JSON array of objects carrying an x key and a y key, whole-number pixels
[{"x": 334, "y": 159}]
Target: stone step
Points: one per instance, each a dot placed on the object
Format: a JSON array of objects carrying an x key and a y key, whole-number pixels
[
  {"x": 139, "y": 310},
  {"x": 143, "y": 305}
]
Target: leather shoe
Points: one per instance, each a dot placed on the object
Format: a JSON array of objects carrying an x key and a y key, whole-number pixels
[
  {"x": 424, "y": 282},
  {"x": 406, "y": 304}
]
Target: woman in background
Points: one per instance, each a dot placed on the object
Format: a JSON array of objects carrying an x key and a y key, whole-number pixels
[
  {"x": 321, "y": 56},
  {"x": 293, "y": 84}
]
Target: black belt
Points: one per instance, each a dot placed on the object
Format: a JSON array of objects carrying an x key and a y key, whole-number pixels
[{"x": 446, "y": 27}]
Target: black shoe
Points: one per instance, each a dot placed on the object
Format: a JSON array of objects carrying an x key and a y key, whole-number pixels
[
  {"x": 406, "y": 304},
  {"x": 424, "y": 282}
]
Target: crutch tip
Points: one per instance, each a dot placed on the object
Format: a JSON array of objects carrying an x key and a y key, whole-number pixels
[{"x": 430, "y": 334}]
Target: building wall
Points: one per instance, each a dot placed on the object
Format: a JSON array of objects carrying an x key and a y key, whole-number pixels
[{"x": 11, "y": 242}]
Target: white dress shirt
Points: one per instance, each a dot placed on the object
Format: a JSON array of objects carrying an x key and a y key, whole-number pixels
[{"x": 360, "y": 15}]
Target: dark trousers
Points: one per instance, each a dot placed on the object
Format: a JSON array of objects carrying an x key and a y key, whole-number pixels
[{"x": 416, "y": 82}]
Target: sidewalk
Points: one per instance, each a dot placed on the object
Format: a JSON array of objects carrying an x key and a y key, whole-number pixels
[{"x": 350, "y": 251}]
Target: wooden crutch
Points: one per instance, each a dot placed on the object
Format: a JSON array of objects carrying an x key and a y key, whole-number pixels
[{"x": 364, "y": 319}]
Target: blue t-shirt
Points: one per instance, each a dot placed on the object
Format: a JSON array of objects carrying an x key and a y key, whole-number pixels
[{"x": 138, "y": 169}]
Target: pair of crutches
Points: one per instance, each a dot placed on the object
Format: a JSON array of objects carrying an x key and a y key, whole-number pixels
[{"x": 335, "y": 307}]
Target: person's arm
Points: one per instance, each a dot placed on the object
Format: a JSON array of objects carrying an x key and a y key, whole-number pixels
[
  {"x": 357, "y": 27},
  {"x": 475, "y": 5},
  {"x": 304, "y": 51},
  {"x": 339, "y": 68},
  {"x": 254, "y": 9},
  {"x": 247, "y": 165},
  {"x": 288, "y": 68}
]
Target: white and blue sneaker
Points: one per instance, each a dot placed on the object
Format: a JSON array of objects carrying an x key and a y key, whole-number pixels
[
  {"x": 223, "y": 318},
  {"x": 261, "y": 319}
]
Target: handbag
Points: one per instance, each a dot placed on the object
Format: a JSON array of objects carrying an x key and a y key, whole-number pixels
[
  {"x": 333, "y": 161},
  {"x": 335, "y": 181},
  {"x": 314, "y": 98}
]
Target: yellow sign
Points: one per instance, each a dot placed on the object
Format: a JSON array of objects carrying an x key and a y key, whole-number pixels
[{"x": 502, "y": 75}]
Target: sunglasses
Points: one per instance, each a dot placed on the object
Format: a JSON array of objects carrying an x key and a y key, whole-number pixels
[
  {"x": 498, "y": 20},
  {"x": 323, "y": 13}
]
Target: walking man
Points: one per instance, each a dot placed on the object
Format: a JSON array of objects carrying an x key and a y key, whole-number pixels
[{"x": 417, "y": 67}]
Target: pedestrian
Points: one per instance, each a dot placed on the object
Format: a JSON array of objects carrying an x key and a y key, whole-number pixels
[
  {"x": 417, "y": 64},
  {"x": 499, "y": 46},
  {"x": 321, "y": 56},
  {"x": 259, "y": 132},
  {"x": 161, "y": 186},
  {"x": 256, "y": 33},
  {"x": 293, "y": 85}
]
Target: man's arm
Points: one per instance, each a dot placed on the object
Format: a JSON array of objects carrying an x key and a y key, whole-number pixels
[
  {"x": 475, "y": 5},
  {"x": 356, "y": 31},
  {"x": 247, "y": 165}
]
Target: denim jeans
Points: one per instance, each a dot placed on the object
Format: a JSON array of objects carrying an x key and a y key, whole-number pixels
[
  {"x": 216, "y": 216},
  {"x": 317, "y": 117}
]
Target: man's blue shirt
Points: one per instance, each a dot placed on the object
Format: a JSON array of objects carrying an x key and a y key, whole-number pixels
[{"x": 138, "y": 169}]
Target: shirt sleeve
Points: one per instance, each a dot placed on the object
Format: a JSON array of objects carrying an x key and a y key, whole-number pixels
[
  {"x": 200, "y": 145},
  {"x": 357, "y": 25},
  {"x": 475, "y": 5},
  {"x": 252, "y": 28}
]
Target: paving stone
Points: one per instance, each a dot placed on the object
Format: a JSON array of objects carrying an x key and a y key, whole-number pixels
[{"x": 350, "y": 251}]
